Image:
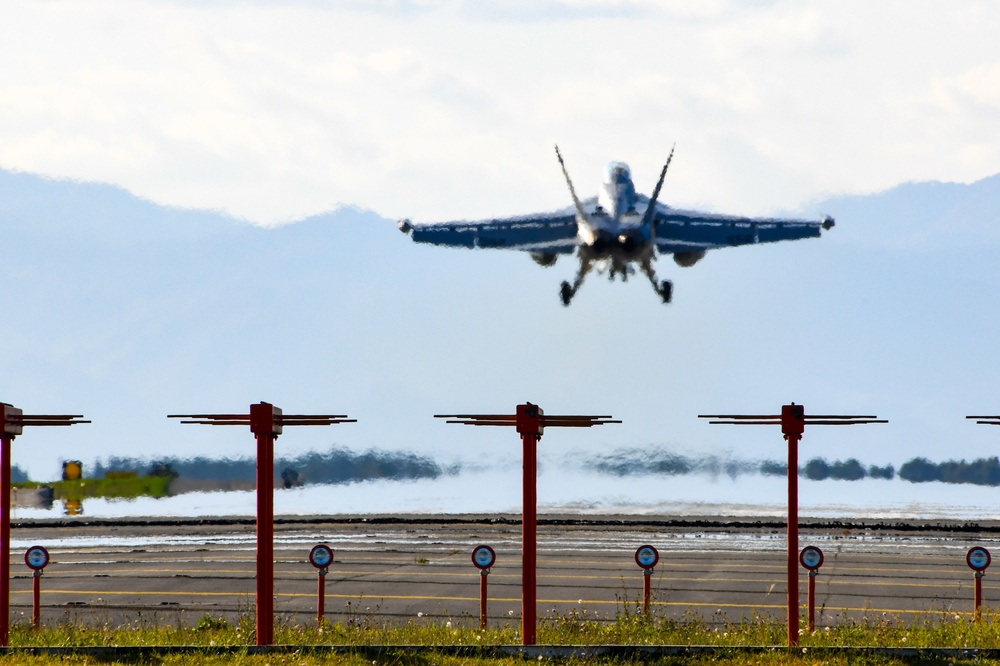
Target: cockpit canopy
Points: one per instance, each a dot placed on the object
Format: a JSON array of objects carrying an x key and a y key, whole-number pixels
[{"x": 617, "y": 172}]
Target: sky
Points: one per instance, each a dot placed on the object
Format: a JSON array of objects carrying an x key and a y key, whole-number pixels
[
  {"x": 447, "y": 109},
  {"x": 272, "y": 112}
]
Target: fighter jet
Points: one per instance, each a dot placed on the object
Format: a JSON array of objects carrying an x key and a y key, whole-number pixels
[{"x": 615, "y": 231}]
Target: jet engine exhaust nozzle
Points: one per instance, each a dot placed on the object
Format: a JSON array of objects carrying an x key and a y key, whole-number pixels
[
  {"x": 629, "y": 242},
  {"x": 603, "y": 242}
]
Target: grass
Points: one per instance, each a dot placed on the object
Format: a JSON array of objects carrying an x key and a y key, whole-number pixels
[
  {"x": 578, "y": 628},
  {"x": 121, "y": 487}
]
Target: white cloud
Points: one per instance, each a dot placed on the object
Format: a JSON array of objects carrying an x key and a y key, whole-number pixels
[
  {"x": 449, "y": 109},
  {"x": 975, "y": 91}
]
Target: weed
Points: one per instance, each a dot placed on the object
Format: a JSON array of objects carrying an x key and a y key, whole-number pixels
[{"x": 209, "y": 623}]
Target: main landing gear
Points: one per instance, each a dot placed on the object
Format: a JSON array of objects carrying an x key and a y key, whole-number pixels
[
  {"x": 664, "y": 289},
  {"x": 567, "y": 291}
]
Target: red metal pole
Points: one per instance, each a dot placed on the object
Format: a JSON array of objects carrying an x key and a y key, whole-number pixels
[
  {"x": 321, "y": 598},
  {"x": 647, "y": 574},
  {"x": 36, "y": 599},
  {"x": 483, "y": 575},
  {"x": 529, "y": 548},
  {"x": 978, "y": 600},
  {"x": 5, "y": 444},
  {"x": 265, "y": 539},
  {"x": 812, "y": 600},
  {"x": 793, "y": 539}
]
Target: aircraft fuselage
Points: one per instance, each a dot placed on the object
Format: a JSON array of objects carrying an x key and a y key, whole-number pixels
[{"x": 615, "y": 229}]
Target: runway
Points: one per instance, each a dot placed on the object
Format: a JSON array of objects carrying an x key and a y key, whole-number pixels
[{"x": 420, "y": 570}]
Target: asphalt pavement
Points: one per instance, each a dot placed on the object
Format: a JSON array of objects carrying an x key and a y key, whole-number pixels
[{"x": 419, "y": 569}]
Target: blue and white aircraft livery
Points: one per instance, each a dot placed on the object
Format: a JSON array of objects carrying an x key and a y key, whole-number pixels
[{"x": 615, "y": 231}]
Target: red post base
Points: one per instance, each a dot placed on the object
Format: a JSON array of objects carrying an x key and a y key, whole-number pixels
[
  {"x": 793, "y": 539},
  {"x": 36, "y": 600},
  {"x": 812, "y": 600},
  {"x": 5, "y": 489},
  {"x": 265, "y": 539},
  {"x": 529, "y": 548},
  {"x": 482, "y": 598},
  {"x": 647, "y": 575},
  {"x": 321, "y": 598},
  {"x": 978, "y": 599}
]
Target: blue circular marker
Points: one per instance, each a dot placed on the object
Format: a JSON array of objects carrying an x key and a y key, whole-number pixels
[
  {"x": 483, "y": 557},
  {"x": 978, "y": 558},
  {"x": 811, "y": 558},
  {"x": 320, "y": 556},
  {"x": 36, "y": 557},
  {"x": 647, "y": 556}
]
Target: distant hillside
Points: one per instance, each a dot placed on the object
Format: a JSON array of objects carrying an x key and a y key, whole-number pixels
[
  {"x": 66, "y": 210},
  {"x": 914, "y": 215}
]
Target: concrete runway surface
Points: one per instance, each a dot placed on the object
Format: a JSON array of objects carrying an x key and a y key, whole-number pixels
[{"x": 419, "y": 569}]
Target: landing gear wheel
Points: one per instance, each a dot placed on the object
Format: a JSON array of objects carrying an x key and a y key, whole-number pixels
[
  {"x": 566, "y": 293},
  {"x": 667, "y": 291}
]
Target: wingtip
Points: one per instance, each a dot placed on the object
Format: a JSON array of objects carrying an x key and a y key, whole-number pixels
[
  {"x": 405, "y": 225},
  {"x": 828, "y": 222}
]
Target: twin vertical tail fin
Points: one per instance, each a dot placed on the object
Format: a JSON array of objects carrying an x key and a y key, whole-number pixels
[
  {"x": 581, "y": 214},
  {"x": 647, "y": 218}
]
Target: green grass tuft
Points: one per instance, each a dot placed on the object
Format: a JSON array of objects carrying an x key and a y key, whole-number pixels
[{"x": 579, "y": 627}]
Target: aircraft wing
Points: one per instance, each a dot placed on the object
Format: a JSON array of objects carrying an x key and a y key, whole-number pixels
[
  {"x": 679, "y": 230},
  {"x": 551, "y": 233}
]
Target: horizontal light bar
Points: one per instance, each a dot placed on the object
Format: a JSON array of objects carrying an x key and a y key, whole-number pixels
[
  {"x": 513, "y": 417},
  {"x": 478, "y": 417},
  {"x": 313, "y": 416},
  {"x": 482, "y": 422},
  {"x": 50, "y": 417},
  {"x": 807, "y": 421},
  {"x": 27, "y": 422},
  {"x": 244, "y": 419},
  {"x": 214, "y": 417},
  {"x": 546, "y": 421},
  {"x": 833, "y": 416},
  {"x": 745, "y": 417},
  {"x": 557, "y": 422},
  {"x": 739, "y": 416}
]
